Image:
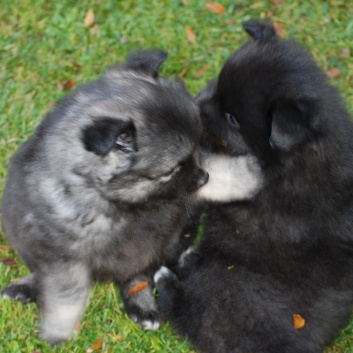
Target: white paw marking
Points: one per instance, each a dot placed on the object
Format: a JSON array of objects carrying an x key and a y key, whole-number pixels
[
  {"x": 150, "y": 325},
  {"x": 161, "y": 273},
  {"x": 184, "y": 254}
]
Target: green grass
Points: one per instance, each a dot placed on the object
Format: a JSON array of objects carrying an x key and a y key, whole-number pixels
[{"x": 45, "y": 42}]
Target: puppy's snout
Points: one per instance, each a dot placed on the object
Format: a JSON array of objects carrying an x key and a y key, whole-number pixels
[{"x": 201, "y": 178}]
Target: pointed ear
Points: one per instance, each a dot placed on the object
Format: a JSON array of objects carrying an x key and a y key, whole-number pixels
[
  {"x": 108, "y": 133},
  {"x": 290, "y": 124},
  {"x": 147, "y": 61},
  {"x": 260, "y": 30}
]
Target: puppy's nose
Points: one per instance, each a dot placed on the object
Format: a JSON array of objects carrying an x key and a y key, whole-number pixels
[{"x": 201, "y": 178}]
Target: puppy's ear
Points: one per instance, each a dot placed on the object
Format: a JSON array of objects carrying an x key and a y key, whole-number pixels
[
  {"x": 290, "y": 124},
  {"x": 108, "y": 133},
  {"x": 147, "y": 61},
  {"x": 260, "y": 30}
]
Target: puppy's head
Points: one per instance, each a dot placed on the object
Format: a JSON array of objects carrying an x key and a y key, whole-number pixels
[
  {"x": 132, "y": 135},
  {"x": 268, "y": 92}
]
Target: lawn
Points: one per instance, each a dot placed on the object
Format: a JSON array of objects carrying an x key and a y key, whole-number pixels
[{"x": 48, "y": 47}]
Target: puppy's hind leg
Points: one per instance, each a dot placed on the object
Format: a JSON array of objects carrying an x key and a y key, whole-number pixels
[
  {"x": 140, "y": 303},
  {"x": 24, "y": 290},
  {"x": 62, "y": 298}
]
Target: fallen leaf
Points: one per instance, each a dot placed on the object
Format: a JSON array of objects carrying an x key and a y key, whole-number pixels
[
  {"x": 278, "y": 2},
  {"x": 183, "y": 72},
  {"x": 333, "y": 73},
  {"x": 94, "y": 29},
  {"x": 190, "y": 34},
  {"x": 5, "y": 247},
  {"x": 279, "y": 29},
  {"x": 298, "y": 321},
  {"x": 68, "y": 85},
  {"x": 89, "y": 19},
  {"x": 52, "y": 104},
  {"x": 202, "y": 71},
  {"x": 60, "y": 86},
  {"x": 96, "y": 346},
  {"x": 346, "y": 53},
  {"x": 138, "y": 287},
  {"x": 215, "y": 7},
  {"x": 9, "y": 261}
]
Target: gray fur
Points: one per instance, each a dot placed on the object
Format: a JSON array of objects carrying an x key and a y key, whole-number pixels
[{"x": 77, "y": 209}]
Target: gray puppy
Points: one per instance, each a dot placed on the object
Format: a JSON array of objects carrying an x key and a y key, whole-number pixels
[{"x": 101, "y": 192}]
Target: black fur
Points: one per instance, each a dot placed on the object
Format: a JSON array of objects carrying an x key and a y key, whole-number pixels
[{"x": 289, "y": 250}]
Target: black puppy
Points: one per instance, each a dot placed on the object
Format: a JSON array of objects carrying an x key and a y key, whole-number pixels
[{"x": 286, "y": 254}]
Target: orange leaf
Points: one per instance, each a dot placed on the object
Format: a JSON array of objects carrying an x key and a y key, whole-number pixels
[
  {"x": 215, "y": 7},
  {"x": 89, "y": 19},
  {"x": 279, "y": 29},
  {"x": 298, "y": 321},
  {"x": 9, "y": 261},
  {"x": 96, "y": 346},
  {"x": 5, "y": 247},
  {"x": 183, "y": 72},
  {"x": 333, "y": 73},
  {"x": 278, "y": 2},
  {"x": 201, "y": 72},
  {"x": 68, "y": 85},
  {"x": 138, "y": 287},
  {"x": 190, "y": 34}
]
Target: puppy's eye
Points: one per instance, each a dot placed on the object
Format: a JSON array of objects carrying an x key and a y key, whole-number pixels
[{"x": 231, "y": 120}]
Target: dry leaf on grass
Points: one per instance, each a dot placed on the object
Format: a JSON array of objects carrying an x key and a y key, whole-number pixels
[
  {"x": 89, "y": 18},
  {"x": 333, "y": 73},
  {"x": 298, "y": 321},
  {"x": 5, "y": 247},
  {"x": 279, "y": 29},
  {"x": 96, "y": 346},
  {"x": 138, "y": 287},
  {"x": 215, "y": 7},
  {"x": 9, "y": 261},
  {"x": 66, "y": 86},
  {"x": 183, "y": 72},
  {"x": 202, "y": 71},
  {"x": 190, "y": 34}
]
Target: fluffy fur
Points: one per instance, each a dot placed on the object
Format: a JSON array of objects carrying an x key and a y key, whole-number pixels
[
  {"x": 101, "y": 192},
  {"x": 288, "y": 250}
]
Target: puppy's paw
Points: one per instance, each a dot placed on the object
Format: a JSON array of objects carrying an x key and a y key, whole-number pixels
[
  {"x": 19, "y": 292},
  {"x": 165, "y": 280},
  {"x": 147, "y": 320},
  {"x": 163, "y": 273}
]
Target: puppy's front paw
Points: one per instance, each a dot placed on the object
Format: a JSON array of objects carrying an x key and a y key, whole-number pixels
[
  {"x": 20, "y": 292},
  {"x": 147, "y": 320},
  {"x": 162, "y": 274}
]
